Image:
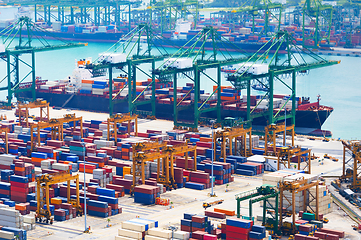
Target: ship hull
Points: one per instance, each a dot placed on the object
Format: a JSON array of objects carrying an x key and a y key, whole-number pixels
[{"x": 304, "y": 118}]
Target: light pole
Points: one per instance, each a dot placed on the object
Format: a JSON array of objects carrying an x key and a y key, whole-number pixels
[
  {"x": 212, "y": 121},
  {"x": 86, "y": 229}
]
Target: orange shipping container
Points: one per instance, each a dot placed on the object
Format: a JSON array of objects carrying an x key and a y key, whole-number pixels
[
  {"x": 20, "y": 169},
  {"x": 204, "y": 139},
  {"x": 55, "y": 201},
  {"x": 20, "y": 207},
  {"x": 225, "y": 211}
]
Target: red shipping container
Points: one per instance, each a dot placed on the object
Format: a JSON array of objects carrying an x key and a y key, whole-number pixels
[
  {"x": 320, "y": 235},
  {"x": 198, "y": 235},
  {"x": 198, "y": 219},
  {"x": 97, "y": 209},
  {"x": 237, "y": 230},
  {"x": 300, "y": 237},
  {"x": 341, "y": 234},
  {"x": 311, "y": 238},
  {"x": 237, "y": 235},
  {"x": 186, "y": 228}
]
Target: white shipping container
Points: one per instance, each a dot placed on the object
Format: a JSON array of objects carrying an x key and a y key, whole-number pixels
[
  {"x": 181, "y": 235},
  {"x": 112, "y": 57},
  {"x": 60, "y": 166},
  {"x": 4, "y": 206},
  {"x": 133, "y": 226},
  {"x": 6, "y": 235},
  {"x": 149, "y": 237},
  {"x": 29, "y": 219},
  {"x": 160, "y": 233},
  {"x": 130, "y": 233},
  {"x": 7, "y": 157},
  {"x": 9, "y": 212},
  {"x": 5, "y": 223}
]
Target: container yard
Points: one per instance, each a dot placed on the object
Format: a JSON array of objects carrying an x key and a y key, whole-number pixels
[
  {"x": 188, "y": 127},
  {"x": 128, "y": 201}
]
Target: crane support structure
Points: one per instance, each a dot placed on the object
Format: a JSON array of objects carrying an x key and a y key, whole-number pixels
[
  {"x": 56, "y": 125},
  {"x": 285, "y": 155},
  {"x": 262, "y": 193},
  {"x": 352, "y": 163},
  {"x": 44, "y": 109},
  {"x": 288, "y": 203},
  {"x": 120, "y": 118},
  {"x": 24, "y": 28},
  {"x": 43, "y": 184},
  {"x": 166, "y": 176},
  {"x": 270, "y": 134},
  {"x": 150, "y": 151},
  {"x": 228, "y": 135}
]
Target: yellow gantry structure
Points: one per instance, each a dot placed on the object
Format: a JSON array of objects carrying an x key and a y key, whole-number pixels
[
  {"x": 43, "y": 105},
  {"x": 119, "y": 118},
  {"x": 228, "y": 135},
  {"x": 353, "y": 150},
  {"x": 43, "y": 184},
  {"x": 285, "y": 154},
  {"x": 302, "y": 185},
  {"x": 56, "y": 125},
  {"x": 150, "y": 151},
  {"x": 270, "y": 135}
]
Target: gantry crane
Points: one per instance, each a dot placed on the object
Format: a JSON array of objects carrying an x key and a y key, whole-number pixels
[
  {"x": 263, "y": 193},
  {"x": 136, "y": 55},
  {"x": 288, "y": 203},
  {"x": 71, "y": 12},
  {"x": 169, "y": 11},
  {"x": 351, "y": 164},
  {"x": 285, "y": 154},
  {"x": 266, "y": 8},
  {"x": 226, "y": 136},
  {"x": 120, "y": 118},
  {"x": 166, "y": 174},
  {"x": 43, "y": 183},
  {"x": 56, "y": 125},
  {"x": 43, "y": 105},
  {"x": 23, "y": 28},
  {"x": 321, "y": 15},
  {"x": 293, "y": 64},
  {"x": 145, "y": 152},
  {"x": 270, "y": 135},
  {"x": 188, "y": 114}
]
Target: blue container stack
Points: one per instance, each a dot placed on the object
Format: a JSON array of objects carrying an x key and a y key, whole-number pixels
[
  {"x": 5, "y": 175},
  {"x": 244, "y": 169},
  {"x": 97, "y": 208},
  {"x": 257, "y": 232},
  {"x": 4, "y": 190},
  {"x": 17, "y": 232}
]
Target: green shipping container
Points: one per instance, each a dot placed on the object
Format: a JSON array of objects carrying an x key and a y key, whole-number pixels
[{"x": 308, "y": 216}]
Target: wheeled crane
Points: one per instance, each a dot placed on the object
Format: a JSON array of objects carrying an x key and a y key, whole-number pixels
[{"x": 43, "y": 183}]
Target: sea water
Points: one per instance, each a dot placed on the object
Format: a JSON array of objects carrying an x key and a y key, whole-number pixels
[{"x": 339, "y": 85}]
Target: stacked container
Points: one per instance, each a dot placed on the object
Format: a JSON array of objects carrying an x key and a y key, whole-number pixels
[
  {"x": 4, "y": 190},
  {"x": 97, "y": 208},
  {"x": 324, "y": 198},
  {"x": 6, "y": 160},
  {"x": 146, "y": 194},
  {"x": 37, "y": 157},
  {"x": 19, "y": 188},
  {"x": 238, "y": 228}
]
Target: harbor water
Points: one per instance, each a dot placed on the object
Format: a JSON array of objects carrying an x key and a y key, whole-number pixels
[{"x": 338, "y": 85}]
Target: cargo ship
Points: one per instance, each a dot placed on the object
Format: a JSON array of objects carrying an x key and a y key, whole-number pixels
[{"x": 82, "y": 91}]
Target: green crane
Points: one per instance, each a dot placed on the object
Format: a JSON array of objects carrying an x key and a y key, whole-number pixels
[
  {"x": 23, "y": 31},
  {"x": 263, "y": 193},
  {"x": 282, "y": 65},
  {"x": 169, "y": 11},
  {"x": 99, "y": 12},
  {"x": 200, "y": 62},
  {"x": 321, "y": 16},
  {"x": 137, "y": 54},
  {"x": 259, "y": 8}
]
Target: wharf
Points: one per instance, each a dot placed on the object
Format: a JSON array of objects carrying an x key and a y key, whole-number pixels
[
  {"x": 336, "y": 51},
  {"x": 186, "y": 200}
]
